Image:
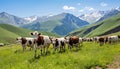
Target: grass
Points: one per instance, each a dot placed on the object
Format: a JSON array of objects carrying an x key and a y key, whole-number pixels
[{"x": 90, "y": 55}]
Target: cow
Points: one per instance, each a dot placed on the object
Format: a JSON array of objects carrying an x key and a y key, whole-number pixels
[
  {"x": 112, "y": 39},
  {"x": 96, "y": 39},
  {"x": 72, "y": 41},
  {"x": 103, "y": 40},
  {"x": 59, "y": 43},
  {"x": 2, "y": 44},
  {"x": 42, "y": 41},
  {"x": 26, "y": 41}
]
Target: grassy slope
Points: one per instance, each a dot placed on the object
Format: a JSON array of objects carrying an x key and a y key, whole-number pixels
[
  {"x": 105, "y": 26},
  {"x": 9, "y": 33},
  {"x": 108, "y": 24},
  {"x": 90, "y": 55},
  {"x": 7, "y": 36},
  {"x": 15, "y": 30}
]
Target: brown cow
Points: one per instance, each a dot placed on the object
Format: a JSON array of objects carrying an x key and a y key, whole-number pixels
[
  {"x": 72, "y": 41},
  {"x": 103, "y": 40},
  {"x": 42, "y": 42}
]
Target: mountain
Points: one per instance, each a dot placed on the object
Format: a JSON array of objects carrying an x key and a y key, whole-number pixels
[
  {"x": 11, "y": 19},
  {"x": 9, "y": 33},
  {"x": 31, "y": 18},
  {"x": 108, "y": 26},
  {"x": 110, "y": 13},
  {"x": 60, "y": 24},
  {"x": 92, "y": 17}
]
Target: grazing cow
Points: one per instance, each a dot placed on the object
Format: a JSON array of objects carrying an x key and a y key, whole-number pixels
[
  {"x": 96, "y": 39},
  {"x": 112, "y": 39},
  {"x": 26, "y": 41},
  {"x": 59, "y": 43},
  {"x": 72, "y": 41},
  {"x": 42, "y": 42},
  {"x": 2, "y": 44},
  {"x": 103, "y": 40}
]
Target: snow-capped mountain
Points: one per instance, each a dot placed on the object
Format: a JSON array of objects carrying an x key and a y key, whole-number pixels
[
  {"x": 110, "y": 13},
  {"x": 92, "y": 17},
  {"x": 31, "y": 18}
]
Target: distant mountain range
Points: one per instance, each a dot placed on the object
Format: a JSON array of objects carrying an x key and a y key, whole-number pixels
[
  {"x": 99, "y": 15},
  {"x": 61, "y": 24}
]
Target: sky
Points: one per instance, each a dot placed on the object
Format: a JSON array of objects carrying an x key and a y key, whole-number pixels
[{"x": 26, "y": 8}]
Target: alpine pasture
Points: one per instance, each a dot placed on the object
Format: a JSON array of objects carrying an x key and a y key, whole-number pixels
[{"x": 89, "y": 56}]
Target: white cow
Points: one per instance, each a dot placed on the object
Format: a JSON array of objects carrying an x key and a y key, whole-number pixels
[{"x": 112, "y": 39}]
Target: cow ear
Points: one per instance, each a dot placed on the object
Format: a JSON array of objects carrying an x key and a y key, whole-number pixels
[
  {"x": 31, "y": 33},
  {"x": 39, "y": 34},
  {"x": 16, "y": 38},
  {"x": 56, "y": 39}
]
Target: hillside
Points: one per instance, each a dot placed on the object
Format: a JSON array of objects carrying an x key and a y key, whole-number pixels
[
  {"x": 107, "y": 26},
  {"x": 9, "y": 33}
]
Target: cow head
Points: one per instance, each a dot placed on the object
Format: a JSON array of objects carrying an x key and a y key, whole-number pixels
[
  {"x": 67, "y": 39},
  {"x": 19, "y": 39},
  {"x": 118, "y": 36},
  {"x": 35, "y": 34}
]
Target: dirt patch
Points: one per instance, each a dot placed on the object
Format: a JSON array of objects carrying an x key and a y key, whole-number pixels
[{"x": 115, "y": 64}]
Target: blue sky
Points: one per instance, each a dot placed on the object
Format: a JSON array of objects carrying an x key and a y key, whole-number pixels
[{"x": 25, "y": 8}]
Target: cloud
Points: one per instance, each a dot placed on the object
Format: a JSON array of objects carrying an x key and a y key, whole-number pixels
[
  {"x": 89, "y": 8},
  {"x": 103, "y": 4},
  {"x": 86, "y": 9},
  {"x": 78, "y": 4},
  {"x": 68, "y": 7}
]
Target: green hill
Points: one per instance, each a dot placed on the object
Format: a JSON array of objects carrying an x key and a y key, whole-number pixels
[
  {"x": 8, "y": 33},
  {"x": 105, "y": 27}
]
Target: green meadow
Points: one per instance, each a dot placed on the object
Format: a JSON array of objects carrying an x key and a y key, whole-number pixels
[{"x": 89, "y": 56}]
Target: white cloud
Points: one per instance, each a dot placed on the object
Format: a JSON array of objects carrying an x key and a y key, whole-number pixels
[
  {"x": 89, "y": 8},
  {"x": 103, "y": 4},
  {"x": 78, "y": 4},
  {"x": 68, "y": 7}
]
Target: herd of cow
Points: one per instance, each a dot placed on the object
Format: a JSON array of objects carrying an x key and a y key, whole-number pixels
[{"x": 42, "y": 42}]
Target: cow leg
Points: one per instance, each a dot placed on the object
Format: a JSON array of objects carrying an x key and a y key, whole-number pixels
[
  {"x": 35, "y": 51},
  {"x": 69, "y": 46},
  {"x": 24, "y": 47},
  {"x": 63, "y": 47},
  {"x": 47, "y": 49},
  {"x": 44, "y": 49},
  {"x": 41, "y": 49}
]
